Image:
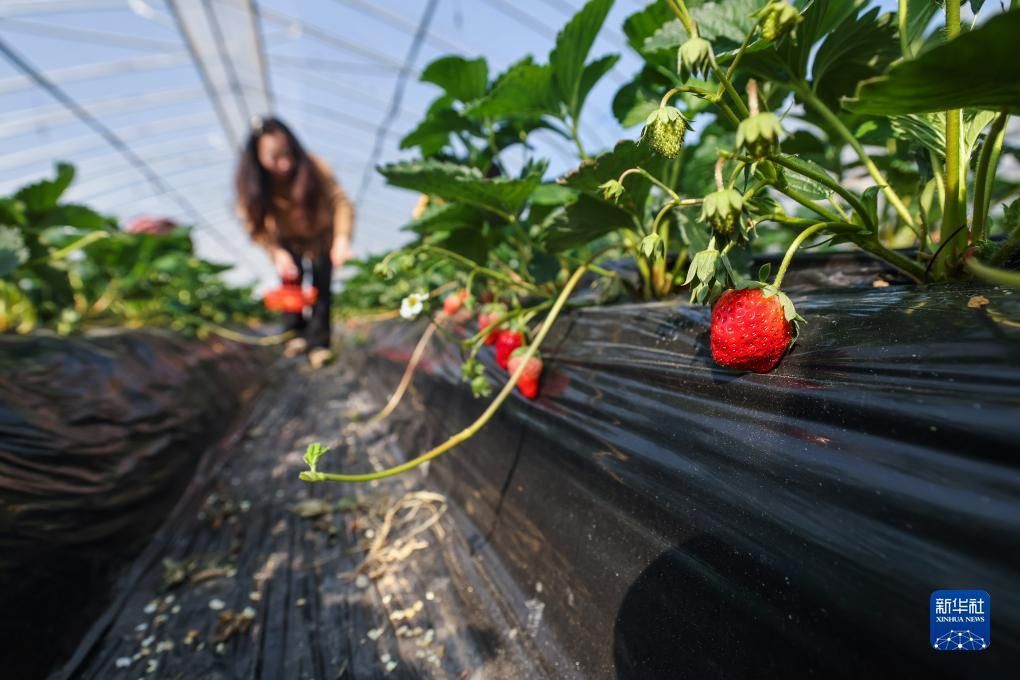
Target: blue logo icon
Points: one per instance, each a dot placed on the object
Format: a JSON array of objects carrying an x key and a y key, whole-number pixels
[{"x": 960, "y": 620}]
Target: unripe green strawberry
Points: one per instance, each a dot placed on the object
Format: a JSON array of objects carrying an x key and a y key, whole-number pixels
[
  {"x": 664, "y": 131},
  {"x": 694, "y": 58},
  {"x": 751, "y": 329},
  {"x": 778, "y": 19},
  {"x": 723, "y": 210},
  {"x": 759, "y": 134},
  {"x": 528, "y": 382}
]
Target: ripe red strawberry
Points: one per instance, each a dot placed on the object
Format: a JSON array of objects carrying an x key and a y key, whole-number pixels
[
  {"x": 310, "y": 295},
  {"x": 452, "y": 303},
  {"x": 750, "y": 332},
  {"x": 487, "y": 316},
  {"x": 528, "y": 383},
  {"x": 286, "y": 298},
  {"x": 506, "y": 343}
]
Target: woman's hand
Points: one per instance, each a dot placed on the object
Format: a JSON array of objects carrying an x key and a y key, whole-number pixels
[
  {"x": 285, "y": 265},
  {"x": 340, "y": 253}
]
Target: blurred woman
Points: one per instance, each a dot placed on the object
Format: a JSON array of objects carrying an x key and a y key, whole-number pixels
[{"x": 293, "y": 207}]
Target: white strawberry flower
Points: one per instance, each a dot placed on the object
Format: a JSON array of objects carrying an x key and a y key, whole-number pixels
[{"x": 411, "y": 306}]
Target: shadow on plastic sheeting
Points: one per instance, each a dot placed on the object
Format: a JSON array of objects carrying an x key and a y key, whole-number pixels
[{"x": 703, "y": 610}]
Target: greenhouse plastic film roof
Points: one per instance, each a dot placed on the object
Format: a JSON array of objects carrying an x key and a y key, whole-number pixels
[{"x": 151, "y": 99}]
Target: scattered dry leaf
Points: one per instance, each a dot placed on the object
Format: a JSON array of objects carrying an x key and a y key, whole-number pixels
[{"x": 977, "y": 301}]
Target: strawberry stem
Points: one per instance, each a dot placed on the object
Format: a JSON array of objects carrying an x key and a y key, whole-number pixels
[
  {"x": 405, "y": 381},
  {"x": 801, "y": 237},
  {"x": 473, "y": 428}
]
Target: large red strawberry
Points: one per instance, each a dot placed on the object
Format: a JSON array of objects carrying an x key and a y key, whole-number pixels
[
  {"x": 506, "y": 343},
  {"x": 487, "y": 316},
  {"x": 454, "y": 301},
  {"x": 528, "y": 382},
  {"x": 751, "y": 331}
]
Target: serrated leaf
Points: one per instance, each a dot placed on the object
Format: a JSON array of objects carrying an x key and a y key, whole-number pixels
[
  {"x": 870, "y": 200},
  {"x": 593, "y": 72},
  {"x": 313, "y": 453},
  {"x": 633, "y": 102},
  {"x": 457, "y": 183},
  {"x": 821, "y": 18},
  {"x": 573, "y": 44},
  {"x": 724, "y": 24},
  {"x": 582, "y": 222},
  {"x": 463, "y": 79},
  {"x": 632, "y": 113},
  {"x": 73, "y": 215},
  {"x": 860, "y": 47},
  {"x": 552, "y": 194},
  {"x": 433, "y": 132},
  {"x": 698, "y": 177},
  {"x": 978, "y": 69},
  {"x": 525, "y": 89},
  {"x": 12, "y": 212},
  {"x": 591, "y": 174},
  {"x": 919, "y": 15},
  {"x": 927, "y": 129},
  {"x": 640, "y": 26},
  {"x": 806, "y": 185},
  {"x": 43, "y": 195},
  {"x": 449, "y": 217}
]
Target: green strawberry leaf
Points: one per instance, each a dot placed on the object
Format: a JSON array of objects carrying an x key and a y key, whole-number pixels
[
  {"x": 313, "y": 453},
  {"x": 450, "y": 217},
  {"x": 524, "y": 90},
  {"x": 43, "y": 195},
  {"x": 12, "y": 212},
  {"x": 977, "y": 69},
  {"x": 568, "y": 57},
  {"x": 503, "y": 196},
  {"x": 581, "y": 222},
  {"x": 463, "y": 79},
  {"x": 593, "y": 73},
  {"x": 433, "y": 133}
]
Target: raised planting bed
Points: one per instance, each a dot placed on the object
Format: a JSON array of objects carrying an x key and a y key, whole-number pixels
[
  {"x": 99, "y": 435},
  {"x": 668, "y": 518}
]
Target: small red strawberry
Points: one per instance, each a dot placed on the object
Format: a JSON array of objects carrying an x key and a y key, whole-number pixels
[
  {"x": 453, "y": 302},
  {"x": 528, "y": 383},
  {"x": 310, "y": 295},
  {"x": 506, "y": 343},
  {"x": 286, "y": 298},
  {"x": 751, "y": 330},
  {"x": 487, "y": 316}
]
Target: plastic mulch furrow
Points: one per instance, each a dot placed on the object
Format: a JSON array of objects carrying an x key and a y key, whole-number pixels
[
  {"x": 689, "y": 521},
  {"x": 256, "y": 574},
  {"x": 99, "y": 436}
]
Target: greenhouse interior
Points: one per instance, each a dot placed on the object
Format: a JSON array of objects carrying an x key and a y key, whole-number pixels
[{"x": 485, "y": 339}]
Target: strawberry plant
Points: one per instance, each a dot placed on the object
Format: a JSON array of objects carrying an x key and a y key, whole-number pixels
[
  {"x": 67, "y": 267},
  {"x": 765, "y": 126}
]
